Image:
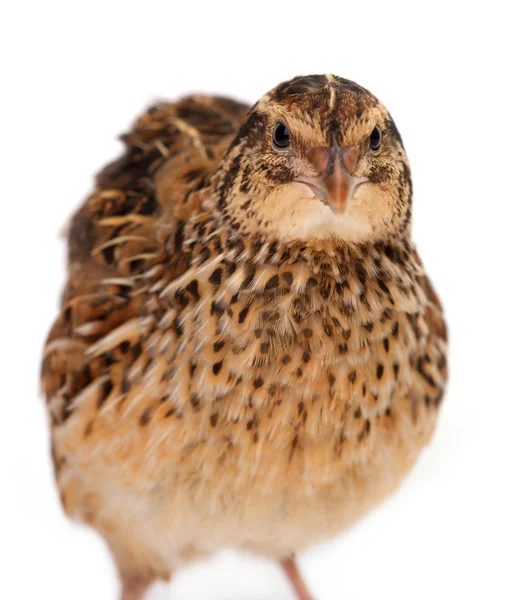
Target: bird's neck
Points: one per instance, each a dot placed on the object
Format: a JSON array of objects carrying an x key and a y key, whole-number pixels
[{"x": 362, "y": 280}]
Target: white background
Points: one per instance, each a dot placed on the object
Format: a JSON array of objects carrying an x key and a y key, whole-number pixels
[{"x": 75, "y": 74}]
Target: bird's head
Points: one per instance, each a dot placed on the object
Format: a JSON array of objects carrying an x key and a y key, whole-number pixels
[{"x": 318, "y": 158}]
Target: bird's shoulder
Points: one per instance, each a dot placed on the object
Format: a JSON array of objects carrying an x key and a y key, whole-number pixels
[{"x": 171, "y": 152}]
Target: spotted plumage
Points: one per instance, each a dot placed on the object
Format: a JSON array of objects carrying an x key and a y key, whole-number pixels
[{"x": 249, "y": 352}]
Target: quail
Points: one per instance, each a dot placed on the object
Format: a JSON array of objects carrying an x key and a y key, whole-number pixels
[{"x": 249, "y": 352}]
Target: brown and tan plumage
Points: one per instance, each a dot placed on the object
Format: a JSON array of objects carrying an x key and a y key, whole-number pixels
[{"x": 249, "y": 353}]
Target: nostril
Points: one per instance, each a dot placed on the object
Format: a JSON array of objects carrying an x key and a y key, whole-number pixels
[
  {"x": 319, "y": 158},
  {"x": 350, "y": 158}
]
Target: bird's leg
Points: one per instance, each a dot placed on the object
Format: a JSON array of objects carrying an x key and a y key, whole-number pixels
[
  {"x": 291, "y": 569},
  {"x": 134, "y": 588}
]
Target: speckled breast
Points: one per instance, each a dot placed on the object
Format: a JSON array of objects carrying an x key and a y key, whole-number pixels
[{"x": 264, "y": 392}]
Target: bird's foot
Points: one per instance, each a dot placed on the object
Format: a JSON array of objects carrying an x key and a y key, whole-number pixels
[
  {"x": 134, "y": 588},
  {"x": 293, "y": 573}
]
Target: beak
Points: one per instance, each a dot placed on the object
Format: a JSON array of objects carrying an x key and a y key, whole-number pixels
[{"x": 335, "y": 184}]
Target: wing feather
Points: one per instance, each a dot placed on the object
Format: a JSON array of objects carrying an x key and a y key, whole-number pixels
[{"x": 170, "y": 154}]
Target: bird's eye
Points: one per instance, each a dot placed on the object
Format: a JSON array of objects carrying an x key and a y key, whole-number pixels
[
  {"x": 281, "y": 135},
  {"x": 375, "y": 139}
]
